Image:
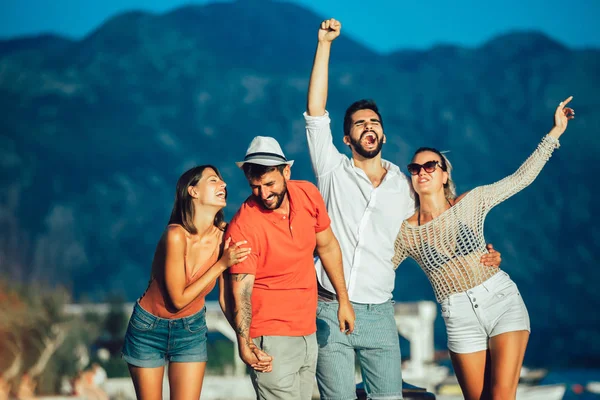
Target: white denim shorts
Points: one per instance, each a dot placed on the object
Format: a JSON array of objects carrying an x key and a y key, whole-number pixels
[{"x": 489, "y": 309}]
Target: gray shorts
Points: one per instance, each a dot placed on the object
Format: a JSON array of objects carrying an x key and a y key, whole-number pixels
[
  {"x": 487, "y": 310},
  {"x": 294, "y": 367}
]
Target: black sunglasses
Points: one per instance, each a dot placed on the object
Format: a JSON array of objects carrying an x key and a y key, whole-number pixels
[{"x": 429, "y": 167}]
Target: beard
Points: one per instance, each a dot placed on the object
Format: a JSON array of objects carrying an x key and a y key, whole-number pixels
[
  {"x": 362, "y": 151},
  {"x": 279, "y": 197}
]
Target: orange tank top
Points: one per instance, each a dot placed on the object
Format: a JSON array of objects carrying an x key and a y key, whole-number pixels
[{"x": 156, "y": 298}]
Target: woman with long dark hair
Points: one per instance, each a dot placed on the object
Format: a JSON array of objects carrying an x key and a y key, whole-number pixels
[
  {"x": 486, "y": 320},
  {"x": 168, "y": 324}
]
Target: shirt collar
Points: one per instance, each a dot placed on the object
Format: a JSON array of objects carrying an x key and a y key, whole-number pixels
[{"x": 392, "y": 169}]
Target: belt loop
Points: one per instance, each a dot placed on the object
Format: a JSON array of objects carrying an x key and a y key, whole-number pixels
[{"x": 485, "y": 287}]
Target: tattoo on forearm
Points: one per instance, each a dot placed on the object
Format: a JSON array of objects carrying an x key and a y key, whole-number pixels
[{"x": 243, "y": 312}]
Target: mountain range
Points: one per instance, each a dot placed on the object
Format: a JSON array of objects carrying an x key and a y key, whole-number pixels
[{"x": 95, "y": 132}]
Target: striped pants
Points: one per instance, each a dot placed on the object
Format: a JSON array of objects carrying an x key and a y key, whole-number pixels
[{"x": 375, "y": 345}]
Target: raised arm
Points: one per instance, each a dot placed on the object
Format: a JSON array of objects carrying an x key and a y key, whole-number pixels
[
  {"x": 317, "y": 88},
  {"x": 175, "y": 279},
  {"x": 323, "y": 154},
  {"x": 496, "y": 193},
  {"x": 562, "y": 115},
  {"x": 330, "y": 254}
]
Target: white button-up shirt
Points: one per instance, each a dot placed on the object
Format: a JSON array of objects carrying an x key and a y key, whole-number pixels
[{"x": 364, "y": 219}]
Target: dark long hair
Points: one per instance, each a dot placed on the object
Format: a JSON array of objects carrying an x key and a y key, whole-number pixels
[{"x": 183, "y": 208}]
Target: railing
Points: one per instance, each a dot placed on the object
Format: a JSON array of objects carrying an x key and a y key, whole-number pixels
[{"x": 413, "y": 320}]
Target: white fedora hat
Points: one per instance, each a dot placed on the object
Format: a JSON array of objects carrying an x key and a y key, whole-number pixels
[{"x": 264, "y": 150}]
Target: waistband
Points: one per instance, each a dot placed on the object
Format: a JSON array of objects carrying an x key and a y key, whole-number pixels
[
  {"x": 489, "y": 285},
  {"x": 388, "y": 305},
  {"x": 139, "y": 309}
]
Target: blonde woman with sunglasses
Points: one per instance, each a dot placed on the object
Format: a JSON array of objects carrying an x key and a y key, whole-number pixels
[{"x": 486, "y": 319}]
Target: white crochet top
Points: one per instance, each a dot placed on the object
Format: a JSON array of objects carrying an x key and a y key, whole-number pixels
[{"x": 449, "y": 247}]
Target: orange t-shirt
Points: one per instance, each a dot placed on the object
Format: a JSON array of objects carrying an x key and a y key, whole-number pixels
[
  {"x": 156, "y": 299},
  {"x": 284, "y": 297}
]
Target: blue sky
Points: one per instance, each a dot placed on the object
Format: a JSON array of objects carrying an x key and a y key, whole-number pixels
[{"x": 383, "y": 25}]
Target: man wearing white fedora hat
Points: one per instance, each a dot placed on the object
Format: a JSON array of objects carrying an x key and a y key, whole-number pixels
[
  {"x": 367, "y": 198},
  {"x": 275, "y": 288}
]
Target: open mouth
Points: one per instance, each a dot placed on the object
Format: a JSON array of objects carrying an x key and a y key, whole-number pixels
[
  {"x": 221, "y": 195},
  {"x": 369, "y": 139}
]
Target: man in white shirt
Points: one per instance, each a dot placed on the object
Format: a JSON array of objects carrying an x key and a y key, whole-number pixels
[{"x": 367, "y": 198}]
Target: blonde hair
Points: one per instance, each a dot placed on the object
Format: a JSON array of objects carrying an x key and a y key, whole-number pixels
[{"x": 449, "y": 186}]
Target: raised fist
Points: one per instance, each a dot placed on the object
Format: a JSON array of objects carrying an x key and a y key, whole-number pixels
[{"x": 329, "y": 30}]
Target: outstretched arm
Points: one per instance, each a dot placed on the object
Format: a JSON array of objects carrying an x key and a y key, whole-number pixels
[
  {"x": 323, "y": 154},
  {"x": 317, "y": 88},
  {"x": 562, "y": 115},
  {"x": 330, "y": 254},
  {"x": 496, "y": 193}
]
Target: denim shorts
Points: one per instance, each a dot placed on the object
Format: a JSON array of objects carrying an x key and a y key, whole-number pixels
[
  {"x": 152, "y": 342},
  {"x": 374, "y": 343},
  {"x": 489, "y": 309}
]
